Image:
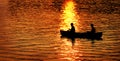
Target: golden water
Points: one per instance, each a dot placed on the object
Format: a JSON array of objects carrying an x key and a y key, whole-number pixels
[{"x": 33, "y": 35}]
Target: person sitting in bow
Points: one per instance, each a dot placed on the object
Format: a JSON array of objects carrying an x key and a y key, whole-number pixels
[{"x": 93, "y": 30}]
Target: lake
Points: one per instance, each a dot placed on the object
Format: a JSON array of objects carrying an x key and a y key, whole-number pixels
[{"x": 33, "y": 35}]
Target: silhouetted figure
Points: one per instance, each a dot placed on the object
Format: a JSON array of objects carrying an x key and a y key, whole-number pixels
[
  {"x": 72, "y": 30},
  {"x": 92, "y": 29}
]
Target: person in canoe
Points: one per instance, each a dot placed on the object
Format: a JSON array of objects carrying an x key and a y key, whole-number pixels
[
  {"x": 72, "y": 30},
  {"x": 93, "y": 30}
]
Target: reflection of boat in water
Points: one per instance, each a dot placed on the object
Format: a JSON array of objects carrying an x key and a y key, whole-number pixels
[{"x": 88, "y": 35}]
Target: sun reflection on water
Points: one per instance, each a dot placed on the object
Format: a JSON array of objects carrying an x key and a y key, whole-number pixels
[
  {"x": 69, "y": 15},
  {"x": 69, "y": 51}
]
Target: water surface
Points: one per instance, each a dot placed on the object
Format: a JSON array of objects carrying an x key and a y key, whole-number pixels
[{"x": 33, "y": 35}]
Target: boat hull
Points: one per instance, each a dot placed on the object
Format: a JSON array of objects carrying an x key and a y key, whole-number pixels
[{"x": 87, "y": 35}]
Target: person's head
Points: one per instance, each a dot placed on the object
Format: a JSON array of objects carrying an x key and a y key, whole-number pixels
[
  {"x": 71, "y": 24},
  {"x": 92, "y": 25}
]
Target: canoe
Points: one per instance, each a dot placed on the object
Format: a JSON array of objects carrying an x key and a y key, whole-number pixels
[{"x": 87, "y": 35}]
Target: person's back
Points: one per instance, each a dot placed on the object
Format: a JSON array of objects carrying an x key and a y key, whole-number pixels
[
  {"x": 92, "y": 28},
  {"x": 72, "y": 28}
]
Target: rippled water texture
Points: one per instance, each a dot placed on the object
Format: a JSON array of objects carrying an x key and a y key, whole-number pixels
[{"x": 33, "y": 35}]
